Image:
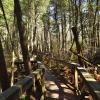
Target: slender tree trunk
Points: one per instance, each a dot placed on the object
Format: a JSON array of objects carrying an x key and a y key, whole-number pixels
[
  {"x": 23, "y": 43},
  {"x": 94, "y": 25},
  {"x": 98, "y": 34},
  {"x": 62, "y": 28},
  {"x": 35, "y": 28},
  {"x": 57, "y": 27},
  {"x": 81, "y": 19},
  {"x": 78, "y": 47},
  {"x": 35, "y": 22},
  {"x": 4, "y": 15},
  {"x": 76, "y": 13},
  {"x": 5, "y": 84},
  {"x": 46, "y": 37},
  {"x": 65, "y": 31},
  {"x": 49, "y": 35}
]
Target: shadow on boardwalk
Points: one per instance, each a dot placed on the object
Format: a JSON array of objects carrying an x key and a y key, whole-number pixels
[{"x": 56, "y": 89}]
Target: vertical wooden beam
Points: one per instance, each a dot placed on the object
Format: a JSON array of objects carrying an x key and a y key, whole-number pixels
[
  {"x": 43, "y": 87},
  {"x": 12, "y": 69},
  {"x": 76, "y": 80}
]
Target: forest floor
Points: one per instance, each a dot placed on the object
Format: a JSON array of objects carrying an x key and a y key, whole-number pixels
[{"x": 57, "y": 89}]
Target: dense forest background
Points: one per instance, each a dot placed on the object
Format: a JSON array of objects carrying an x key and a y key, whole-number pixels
[{"x": 47, "y": 27}]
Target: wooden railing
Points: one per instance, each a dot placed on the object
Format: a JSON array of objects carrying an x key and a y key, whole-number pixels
[
  {"x": 29, "y": 85},
  {"x": 83, "y": 81},
  {"x": 88, "y": 81}
]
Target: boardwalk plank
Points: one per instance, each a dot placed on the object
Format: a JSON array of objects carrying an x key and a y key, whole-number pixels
[{"x": 56, "y": 89}]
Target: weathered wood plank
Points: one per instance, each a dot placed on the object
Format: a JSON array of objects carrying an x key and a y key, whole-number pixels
[
  {"x": 92, "y": 84},
  {"x": 23, "y": 85},
  {"x": 16, "y": 91},
  {"x": 12, "y": 93}
]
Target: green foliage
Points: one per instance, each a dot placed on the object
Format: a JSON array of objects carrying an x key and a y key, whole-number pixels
[
  {"x": 63, "y": 4},
  {"x": 45, "y": 17},
  {"x": 9, "y": 10}
]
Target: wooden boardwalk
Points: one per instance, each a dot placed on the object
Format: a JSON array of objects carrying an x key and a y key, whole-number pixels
[{"x": 56, "y": 89}]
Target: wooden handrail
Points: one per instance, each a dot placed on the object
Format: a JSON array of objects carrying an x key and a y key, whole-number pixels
[
  {"x": 84, "y": 59},
  {"x": 15, "y": 92},
  {"x": 89, "y": 81},
  {"x": 92, "y": 85}
]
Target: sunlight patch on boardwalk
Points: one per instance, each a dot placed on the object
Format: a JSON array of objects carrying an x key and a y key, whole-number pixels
[{"x": 57, "y": 90}]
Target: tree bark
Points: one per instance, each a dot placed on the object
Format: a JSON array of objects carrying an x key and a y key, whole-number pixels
[
  {"x": 23, "y": 44},
  {"x": 57, "y": 27},
  {"x": 3, "y": 70},
  {"x": 78, "y": 47}
]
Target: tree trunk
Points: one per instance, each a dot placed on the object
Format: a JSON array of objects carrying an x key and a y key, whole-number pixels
[
  {"x": 21, "y": 29},
  {"x": 3, "y": 70},
  {"x": 57, "y": 27},
  {"x": 62, "y": 28},
  {"x": 78, "y": 47}
]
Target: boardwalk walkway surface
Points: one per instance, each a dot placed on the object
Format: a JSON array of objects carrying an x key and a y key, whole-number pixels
[{"x": 56, "y": 89}]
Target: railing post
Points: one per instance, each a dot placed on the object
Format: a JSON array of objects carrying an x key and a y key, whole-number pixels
[
  {"x": 28, "y": 93},
  {"x": 42, "y": 68},
  {"x": 43, "y": 87},
  {"x": 50, "y": 64},
  {"x": 76, "y": 80}
]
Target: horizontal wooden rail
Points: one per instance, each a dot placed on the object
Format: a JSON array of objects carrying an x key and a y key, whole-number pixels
[
  {"x": 16, "y": 91},
  {"x": 89, "y": 81},
  {"x": 84, "y": 59}
]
